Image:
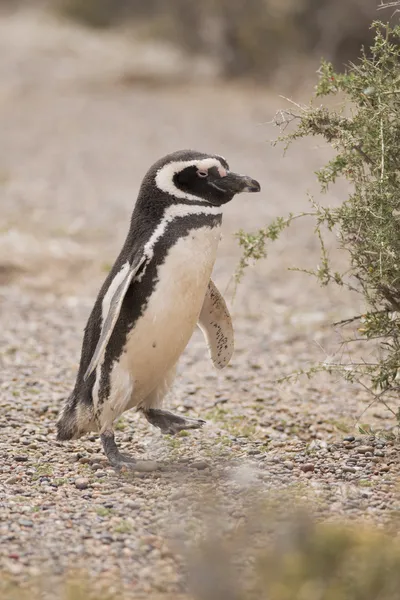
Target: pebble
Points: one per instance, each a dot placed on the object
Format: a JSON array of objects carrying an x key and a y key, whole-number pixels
[
  {"x": 129, "y": 489},
  {"x": 200, "y": 465},
  {"x": 81, "y": 483},
  {"x": 288, "y": 464},
  {"x": 307, "y": 467},
  {"x": 365, "y": 449},
  {"x": 141, "y": 466},
  {"x": 133, "y": 504},
  {"x": 13, "y": 479},
  {"x": 349, "y": 438},
  {"x": 25, "y": 523}
]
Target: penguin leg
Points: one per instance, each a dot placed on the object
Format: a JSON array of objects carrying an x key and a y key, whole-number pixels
[
  {"x": 119, "y": 460},
  {"x": 170, "y": 423},
  {"x": 163, "y": 419}
]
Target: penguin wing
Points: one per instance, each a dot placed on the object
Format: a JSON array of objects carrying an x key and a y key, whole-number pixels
[
  {"x": 216, "y": 325},
  {"x": 113, "y": 312}
]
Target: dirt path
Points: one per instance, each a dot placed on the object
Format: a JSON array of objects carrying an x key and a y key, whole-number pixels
[{"x": 77, "y": 134}]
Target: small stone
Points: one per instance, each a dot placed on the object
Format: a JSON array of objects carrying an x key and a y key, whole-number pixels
[
  {"x": 364, "y": 449},
  {"x": 349, "y": 438},
  {"x": 81, "y": 483},
  {"x": 385, "y": 468},
  {"x": 13, "y": 479},
  {"x": 141, "y": 466},
  {"x": 15, "y": 568},
  {"x": 98, "y": 458},
  {"x": 379, "y": 453},
  {"x": 96, "y": 466},
  {"x": 200, "y": 465},
  {"x": 308, "y": 467},
  {"x": 288, "y": 464},
  {"x": 21, "y": 458},
  {"x": 132, "y": 504},
  {"x": 25, "y": 523},
  {"x": 349, "y": 470}
]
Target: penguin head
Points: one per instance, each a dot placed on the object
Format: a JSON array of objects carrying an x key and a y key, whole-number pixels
[{"x": 193, "y": 176}]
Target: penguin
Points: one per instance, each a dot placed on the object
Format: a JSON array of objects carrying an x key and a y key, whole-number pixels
[{"x": 157, "y": 291}]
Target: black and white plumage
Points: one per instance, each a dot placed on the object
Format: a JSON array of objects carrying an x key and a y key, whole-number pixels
[{"x": 157, "y": 291}]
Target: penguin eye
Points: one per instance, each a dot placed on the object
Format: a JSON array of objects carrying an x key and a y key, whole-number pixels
[{"x": 202, "y": 173}]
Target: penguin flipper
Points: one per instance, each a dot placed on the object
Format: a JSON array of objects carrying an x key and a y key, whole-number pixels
[
  {"x": 216, "y": 325},
  {"x": 113, "y": 313}
]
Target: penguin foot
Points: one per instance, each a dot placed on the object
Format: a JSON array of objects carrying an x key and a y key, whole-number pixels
[
  {"x": 170, "y": 423},
  {"x": 121, "y": 461}
]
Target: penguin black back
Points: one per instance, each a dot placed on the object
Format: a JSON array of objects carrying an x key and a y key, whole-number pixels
[{"x": 149, "y": 303}]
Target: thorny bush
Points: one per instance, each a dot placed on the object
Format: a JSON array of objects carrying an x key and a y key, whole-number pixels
[{"x": 365, "y": 134}]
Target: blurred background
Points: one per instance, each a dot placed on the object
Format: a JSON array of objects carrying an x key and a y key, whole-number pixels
[
  {"x": 94, "y": 91},
  {"x": 256, "y": 39}
]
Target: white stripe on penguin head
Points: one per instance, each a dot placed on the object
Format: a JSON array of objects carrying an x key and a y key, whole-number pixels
[{"x": 165, "y": 176}]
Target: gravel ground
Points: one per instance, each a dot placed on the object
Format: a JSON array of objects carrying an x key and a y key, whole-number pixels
[{"x": 78, "y": 133}]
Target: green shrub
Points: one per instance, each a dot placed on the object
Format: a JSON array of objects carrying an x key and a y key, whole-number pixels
[
  {"x": 94, "y": 13},
  {"x": 365, "y": 134},
  {"x": 293, "y": 557}
]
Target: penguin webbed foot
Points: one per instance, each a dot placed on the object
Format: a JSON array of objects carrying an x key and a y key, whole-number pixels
[
  {"x": 122, "y": 461},
  {"x": 170, "y": 423}
]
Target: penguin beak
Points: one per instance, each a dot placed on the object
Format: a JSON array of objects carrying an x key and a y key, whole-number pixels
[{"x": 233, "y": 183}]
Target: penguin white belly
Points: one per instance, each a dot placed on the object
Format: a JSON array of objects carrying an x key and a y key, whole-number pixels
[{"x": 161, "y": 334}]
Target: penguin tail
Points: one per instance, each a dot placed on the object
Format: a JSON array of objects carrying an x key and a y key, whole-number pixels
[
  {"x": 67, "y": 423},
  {"x": 75, "y": 419}
]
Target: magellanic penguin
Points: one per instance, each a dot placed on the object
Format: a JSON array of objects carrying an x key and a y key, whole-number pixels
[{"x": 157, "y": 291}]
